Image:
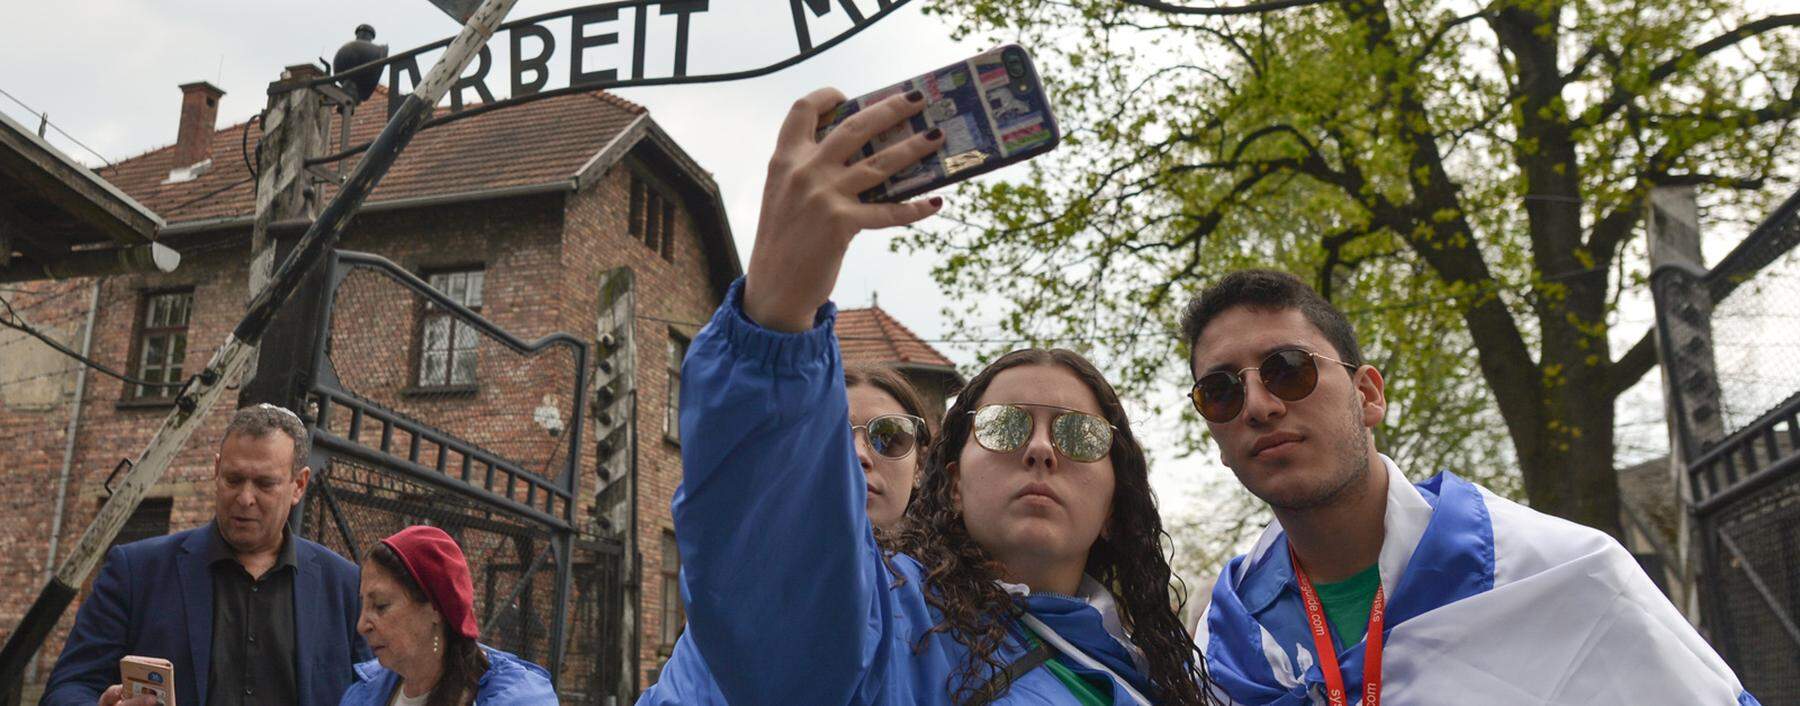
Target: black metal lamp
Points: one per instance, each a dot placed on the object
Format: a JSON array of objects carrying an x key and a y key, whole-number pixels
[{"x": 355, "y": 53}]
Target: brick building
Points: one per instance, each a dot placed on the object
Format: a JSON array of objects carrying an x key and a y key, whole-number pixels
[
  {"x": 521, "y": 214},
  {"x": 516, "y": 213}
]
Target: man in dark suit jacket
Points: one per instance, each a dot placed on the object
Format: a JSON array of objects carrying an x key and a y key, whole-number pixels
[{"x": 248, "y": 613}]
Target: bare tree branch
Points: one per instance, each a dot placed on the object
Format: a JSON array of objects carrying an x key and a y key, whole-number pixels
[{"x": 1632, "y": 366}]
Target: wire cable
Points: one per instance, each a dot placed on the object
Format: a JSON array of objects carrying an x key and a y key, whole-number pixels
[
  {"x": 18, "y": 324},
  {"x": 45, "y": 117}
]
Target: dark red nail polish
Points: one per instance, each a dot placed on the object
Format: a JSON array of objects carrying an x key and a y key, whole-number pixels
[
  {"x": 937, "y": 201},
  {"x": 915, "y": 96},
  {"x": 934, "y": 134}
]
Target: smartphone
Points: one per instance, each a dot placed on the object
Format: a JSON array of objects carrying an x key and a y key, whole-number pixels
[
  {"x": 991, "y": 107},
  {"x": 148, "y": 675}
]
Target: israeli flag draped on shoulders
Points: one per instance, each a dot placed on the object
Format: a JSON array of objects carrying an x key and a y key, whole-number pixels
[{"x": 1489, "y": 604}]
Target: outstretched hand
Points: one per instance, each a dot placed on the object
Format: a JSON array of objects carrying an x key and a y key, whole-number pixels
[{"x": 810, "y": 209}]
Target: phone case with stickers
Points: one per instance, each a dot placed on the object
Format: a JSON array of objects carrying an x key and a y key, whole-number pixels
[
  {"x": 148, "y": 675},
  {"x": 991, "y": 107}
]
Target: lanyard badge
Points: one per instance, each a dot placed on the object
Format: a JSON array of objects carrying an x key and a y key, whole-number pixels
[{"x": 1321, "y": 634}]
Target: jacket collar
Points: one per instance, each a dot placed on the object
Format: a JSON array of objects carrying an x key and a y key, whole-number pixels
[{"x": 1091, "y": 594}]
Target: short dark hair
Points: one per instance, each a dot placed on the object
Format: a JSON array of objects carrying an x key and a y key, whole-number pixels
[
  {"x": 1269, "y": 290},
  {"x": 261, "y": 420}
]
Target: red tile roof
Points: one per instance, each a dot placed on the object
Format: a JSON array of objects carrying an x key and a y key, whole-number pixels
[
  {"x": 528, "y": 144},
  {"x": 873, "y": 336}
]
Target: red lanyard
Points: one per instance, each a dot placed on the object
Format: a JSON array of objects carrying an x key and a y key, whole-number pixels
[{"x": 1321, "y": 634}]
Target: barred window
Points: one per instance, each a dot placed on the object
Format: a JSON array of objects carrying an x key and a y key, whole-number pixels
[
  {"x": 162, "y": 342},
  {"x": 447, "y": 355}
]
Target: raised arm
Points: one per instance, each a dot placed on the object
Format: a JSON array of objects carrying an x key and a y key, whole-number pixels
[{"x": 779, "y": 570}]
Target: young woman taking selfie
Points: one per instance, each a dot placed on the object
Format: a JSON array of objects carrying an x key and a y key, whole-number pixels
[{"x": 1028, "y": 568}]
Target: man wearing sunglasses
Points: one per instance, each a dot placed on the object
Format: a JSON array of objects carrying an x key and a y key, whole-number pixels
[{"x": 1370, "y": 589}]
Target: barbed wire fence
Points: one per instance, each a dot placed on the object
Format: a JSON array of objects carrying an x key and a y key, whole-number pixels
[{"x": 1731, "y": 351}]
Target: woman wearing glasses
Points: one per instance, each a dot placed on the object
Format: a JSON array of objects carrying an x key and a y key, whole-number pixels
[
  {"x": 1029, "y": 568},
  {"x": 888, "y": 421}
]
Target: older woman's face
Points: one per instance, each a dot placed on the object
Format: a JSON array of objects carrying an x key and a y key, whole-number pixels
[{"x": 399, "y": 629}]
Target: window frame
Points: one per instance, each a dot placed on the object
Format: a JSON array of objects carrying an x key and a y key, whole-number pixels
[
  {"x": 137, "y": 395},
  {"x": 417, "y": 383},
  {"x": 673, "y": 619}
]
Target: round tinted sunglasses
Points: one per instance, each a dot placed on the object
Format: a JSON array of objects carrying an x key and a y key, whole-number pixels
[
  {"x": 891, "y": 435},
  {"x": 1079, "y": 436},
  {"x": 1289, "y": 374}
]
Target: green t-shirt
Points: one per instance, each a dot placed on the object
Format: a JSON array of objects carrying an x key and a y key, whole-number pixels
[
  {"x": 1347, "y": 603},
  {"x": 1085, "y": 692}
]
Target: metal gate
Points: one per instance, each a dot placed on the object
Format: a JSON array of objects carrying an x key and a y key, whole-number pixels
[
  {"x": 1730, "y": 342},
  {"x": 423, "y": 411}
]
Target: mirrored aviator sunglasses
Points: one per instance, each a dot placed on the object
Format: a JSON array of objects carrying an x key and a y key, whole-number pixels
[
  {"x": 1079, "y": 436},
  {"x": 891, "y": 435},
  {"x": 1289, "y": 374}
]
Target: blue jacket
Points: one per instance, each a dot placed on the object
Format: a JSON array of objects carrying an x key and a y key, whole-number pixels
[
  {"x": 154, "y": 598},
  {"x": 509, "y": 681},
  {"x": 789, "y": 600}
]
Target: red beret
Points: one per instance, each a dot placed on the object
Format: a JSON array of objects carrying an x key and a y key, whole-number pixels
[{"x": 437, "y": 563}]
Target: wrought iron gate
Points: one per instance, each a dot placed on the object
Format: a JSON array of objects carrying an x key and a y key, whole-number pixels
[
  {"x": 1730, "y": 342},
  {"x": 423, "y": 411}
]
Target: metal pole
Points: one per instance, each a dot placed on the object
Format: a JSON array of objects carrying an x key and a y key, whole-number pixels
[{"x": 228, "y": 362}]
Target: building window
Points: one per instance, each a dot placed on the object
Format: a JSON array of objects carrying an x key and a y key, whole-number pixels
[
  {"x": 150, "y": 519},
  {"x": 652, "y": 218},
  {"x": 447, "y": 355},
  {"x": 674, "y": 616},
  {"x": 678, "y": 346},
  {"x": 162, "y": 342},
  {"x": 668, "y": 231},
  {"x": 637, "y": 207}
]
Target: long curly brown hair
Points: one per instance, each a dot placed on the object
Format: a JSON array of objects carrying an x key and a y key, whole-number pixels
[{"x": 1127, "y": 558}]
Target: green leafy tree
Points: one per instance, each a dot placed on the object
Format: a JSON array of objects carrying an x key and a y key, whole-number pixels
[{"x": 1465, "y": 179}]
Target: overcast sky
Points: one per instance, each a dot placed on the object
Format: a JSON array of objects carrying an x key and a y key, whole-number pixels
[{"x": 106, "y": 71}]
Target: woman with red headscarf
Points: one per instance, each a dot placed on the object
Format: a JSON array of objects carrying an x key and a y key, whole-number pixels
[{"x": 418, "y": 615}]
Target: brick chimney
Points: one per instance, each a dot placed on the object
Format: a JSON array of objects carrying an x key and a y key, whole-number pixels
[{"x": 199, "y": 112}]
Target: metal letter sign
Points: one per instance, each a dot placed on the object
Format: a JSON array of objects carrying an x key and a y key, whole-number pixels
[{"x": 533, "y": 44}]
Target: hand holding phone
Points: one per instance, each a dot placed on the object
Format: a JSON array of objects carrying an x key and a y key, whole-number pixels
[
  {"x": 810, "y": 209},
  {"x": 844, "y": 166},
  {"x": 991, "y": 109},
  {"x": 144, "y": 681}
]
